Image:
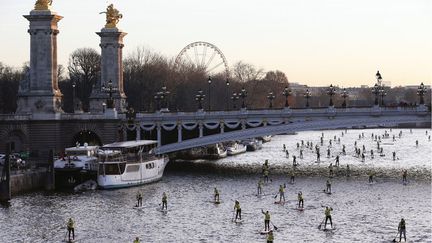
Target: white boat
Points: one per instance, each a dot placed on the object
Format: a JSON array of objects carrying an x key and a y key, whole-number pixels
[
  {"x": 129, "y": 163},
  {"x": 77, "y": 165},
  {"x": 216, "y": 151},
  {"x": 252, "y": 144},
  {"x": 236, "y": 148},
  {"x": 265, "y": 139}
]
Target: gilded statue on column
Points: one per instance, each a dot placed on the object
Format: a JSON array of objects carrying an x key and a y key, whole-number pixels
[
  {"x": 113, "y": 16},
  {"x": 43, "y": 4}
]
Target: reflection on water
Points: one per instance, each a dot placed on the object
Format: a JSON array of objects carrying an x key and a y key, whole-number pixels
[{"x": 362, "y": 212}]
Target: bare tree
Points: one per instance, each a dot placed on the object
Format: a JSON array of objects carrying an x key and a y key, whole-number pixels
[
  {"x": 244, "y": 72},
  {"x": 276, "y": 76}
]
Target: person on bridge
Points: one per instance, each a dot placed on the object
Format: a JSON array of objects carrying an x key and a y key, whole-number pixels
[
  {"x": 266, "y": 220},
  {"x": 260, "y": 183},
  {"x": 328, "y": 186},
  {"x": 216, "y": 195},
  {"x": 404, "y": 176},
  {"x": 71, "y": 229},
  {"x": 137, "y": 240},
  {"x": 402, "y": 230},
  {"x": 281, "y": 193},
  {"x": 164, "y": 201},
  {"x": 139, "y": 199},
  {"x": 327, "y": 213},
  {"x": 237, "y": 209},
  {"x": 270, "y": 237},
  {"x": 300, "y": 199}
]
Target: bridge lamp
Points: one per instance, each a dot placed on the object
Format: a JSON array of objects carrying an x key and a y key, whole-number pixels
[
  {"x": 307, "y": 96},
  {"x": 286, "y": 92},
  {"x": 73, "y": 96},
  {"x": 234, "y": 98},
  {"x": 378, "y": 78},
  {"x": 331, "y": 91},
  {"x": 157, "y": 98},
  {"x": 164, "y": 92},
  {"x": 199, "y": 98},
  {"x": 243, "y": 94},
  {"x": 376, "y": 92},
  {"x": 382, "y": 93},
  {"x": 421, "y": 91},
  {"x": 271, "y": 97},
  {"x": 209, "y": 81},
  {"x": 344, "y": 96},
  {"x": 227, "y": 94}
]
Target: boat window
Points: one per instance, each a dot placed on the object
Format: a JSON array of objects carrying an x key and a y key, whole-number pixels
[
  {"x": 132, "y": 168},
  {"x": 110, "y": 169}
]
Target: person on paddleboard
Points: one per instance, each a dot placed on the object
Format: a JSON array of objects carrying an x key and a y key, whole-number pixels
[
  {"x": 300, "y": 199},
  {"x": 139, "y": 199},
  {"x": 216, "y": 195},
  {"x": 337, "y": 161},
  {"x": 260, "y": 183},
  {"x": 266, "y": 220},
  {"x": 348, "y": 172},
  {"x": 164, "y": 201},
  {"x": 281, "y": 193},
  {"x": 137, "y": 240},
  {"x": 270, "y": 237},
  {"x": 328, "y": 186},
  {"x": 237, "y": 208},
  {"x": 327, "y": 213},
  {"x": 401, "y": 229},
  {"x": 266, "y": 176},
  {"x": 404, "y": 176},
  {"x": 292, "y": 176},
  {"x": 370, "y": 175},
  {"x": 71, "y": 229}
]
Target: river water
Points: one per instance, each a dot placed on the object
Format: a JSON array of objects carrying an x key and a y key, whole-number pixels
[{"x": 361, "y": 211}]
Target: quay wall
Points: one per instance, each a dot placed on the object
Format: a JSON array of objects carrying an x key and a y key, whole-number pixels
[{"x": 28, "y": 181}]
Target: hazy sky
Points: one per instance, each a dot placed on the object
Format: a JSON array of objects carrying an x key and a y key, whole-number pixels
[{"x": 315, "y": 42}]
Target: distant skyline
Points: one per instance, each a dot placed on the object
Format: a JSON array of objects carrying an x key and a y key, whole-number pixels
[{"x": 313, "y": 42}]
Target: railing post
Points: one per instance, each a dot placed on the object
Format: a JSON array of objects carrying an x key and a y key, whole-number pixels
[
  {"x": 201, "y": 129},
  {"x": 159, "y": 134},
  {"x": 138, "y": 132},
  {"x": 222, "y": 127}
]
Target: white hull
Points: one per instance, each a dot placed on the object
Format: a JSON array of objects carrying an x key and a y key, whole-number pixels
[
  {"x": 237, "y": 149},
  {"x": 135, "y": 174}
]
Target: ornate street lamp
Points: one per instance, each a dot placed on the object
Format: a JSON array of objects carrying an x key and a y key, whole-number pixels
[
  {"x": 344, "y": 96},
  {"x": 331, "y": 91},
  {"x": 243, "y": 94},
  {"x": 73, "y": 96},
  {"x": 271, "y": 97},
  {"x": 209, "y": 81},
  {"x": 130, "y": 115},
  {"x": 307, "y": 95},
  {"x": 109, "y": 88},
  {"x": 376, "y": 92},
  {"x": 227, "y": 94},
  {"x": 164, "y": 96},
  {"x": 199, "y": 98},
  {"x": 421, "y": 91},
  {"x": 158, "y": 97},
  {"x": 382, "y": 93},
  {"x": 378, "y": 78},
  {"x": 234, "y": 99},
  {"x": 286, "y": 92}
]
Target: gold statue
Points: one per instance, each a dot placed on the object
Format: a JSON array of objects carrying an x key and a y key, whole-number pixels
[
  {"x": 43, "y": 4},
  {"x": 113, "y": 16}
]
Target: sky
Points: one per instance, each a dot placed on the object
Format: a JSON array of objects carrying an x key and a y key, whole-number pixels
[{"x": 315, "y": 42}]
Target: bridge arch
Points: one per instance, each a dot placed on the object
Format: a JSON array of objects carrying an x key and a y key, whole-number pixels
[
  {"x": 87, "y": 136},
  {"x": 16, "y": 136}
]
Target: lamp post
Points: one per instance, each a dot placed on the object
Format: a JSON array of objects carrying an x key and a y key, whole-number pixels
[
  {"x": 286, "y": 92},
  {"x": 376, "y": 92},
  {"x": 344, "y": 96},
  {"x": 382, "y": 93},
  {"x": 109, "y": 88},
  {"x": 199, "y": 98},
  {"x": 271, "y": 97},
  {"x": 73, "y": 96},
  {"x": 331, "y": 91},
  {"x": 130, "y": 115},
  {"x": 234, "y": 98},
  {"x": 307, "y": 95},
  {"x": 164, "y": 96},
  {"x": 209, "y": 81},
  {"x": 421, "y": 91},
  {"x": 378, "y": 78},
  {"x": 243, "y": 94},
  {"x": 227, "y": 94},
  {"x": 157, "y": 98}
]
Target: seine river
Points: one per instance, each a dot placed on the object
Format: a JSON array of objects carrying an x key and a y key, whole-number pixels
[{"x": 361, "y": 211}]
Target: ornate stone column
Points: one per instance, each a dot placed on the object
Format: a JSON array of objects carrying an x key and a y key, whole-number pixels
[
  {"x": 179, "y": 132},
  {"x": 39, "y": 92},
  {"x": 111, "y": 64}
]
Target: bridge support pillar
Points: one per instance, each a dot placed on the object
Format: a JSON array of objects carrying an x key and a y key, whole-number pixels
[
  {"x": 201, "y": 130},
  {"x": 222, "y": 127},
  {"x": 5, "y": 186},
  {"x": 138, "y": 133},
  {"x": 179, "y": 133},
  {"x": 159, "y": 135}
]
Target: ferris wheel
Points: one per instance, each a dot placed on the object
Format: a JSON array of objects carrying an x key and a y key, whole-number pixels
[{"x": 205, "y": 56}]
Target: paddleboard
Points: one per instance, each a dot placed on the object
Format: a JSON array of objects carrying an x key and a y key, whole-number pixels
[
  {"x": 238, "y": 221},
  {"x": 300, "y": 209},
  {"x": 329, "y": 229},
  {"x": 405, "y": 183},
  {"x": 328, "y": 193},
  {"x": 280, "y": 203},
  {"x": 162, "y": 210},
  {"x": 264, "y": 232},
  {"x": 217, "y": 202}
]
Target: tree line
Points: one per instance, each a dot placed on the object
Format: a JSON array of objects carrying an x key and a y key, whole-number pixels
[{"x": 146, "y": 72}]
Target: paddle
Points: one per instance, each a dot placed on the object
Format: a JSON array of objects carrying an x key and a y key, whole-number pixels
[
  {"x": 274, "y": 226},
  {"x": 394, "y": 240},
  {"x": 319, "y": 226},
  {"x": 232, "y": 220}
]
